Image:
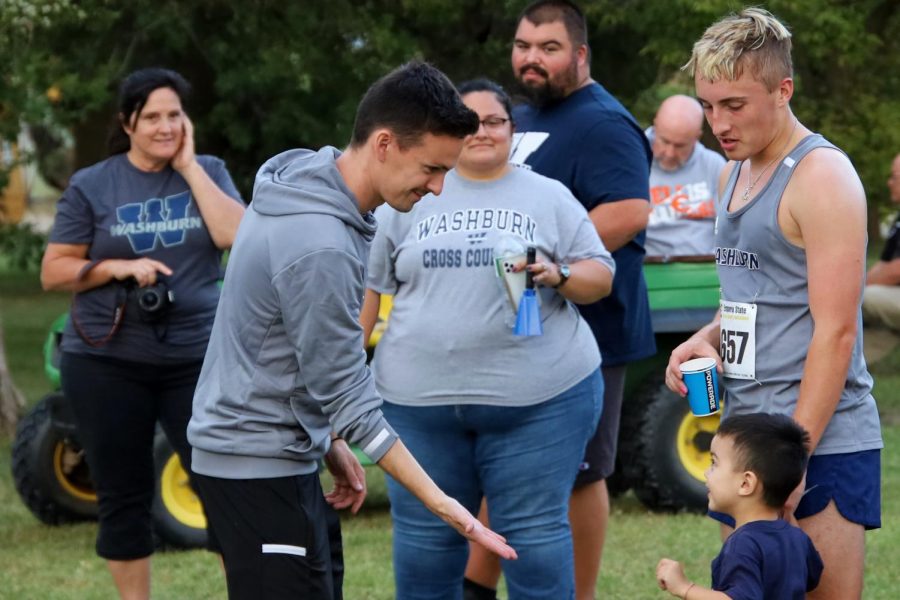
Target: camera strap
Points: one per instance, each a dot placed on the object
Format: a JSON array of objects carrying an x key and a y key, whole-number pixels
[
  {"x": 118, "y": 313},
  {"x": 161, "y": 336},
  {"x": 158, "y": 323}
]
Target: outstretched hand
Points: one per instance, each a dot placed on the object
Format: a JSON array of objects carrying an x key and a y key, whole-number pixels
[
  {"x": 400, "y": 464},
  {"x": 349, "y": 477},
  {"x": 474, "y": 530}
]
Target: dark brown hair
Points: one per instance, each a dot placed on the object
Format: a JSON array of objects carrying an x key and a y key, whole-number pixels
[
  {"x": 133, "y": 93},
  {"x": 411, "y": 101}
]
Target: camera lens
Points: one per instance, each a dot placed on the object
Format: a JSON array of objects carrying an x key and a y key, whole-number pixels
[
  {"x": 154, "y": 300},
  {"x": 149, "y": 300}
]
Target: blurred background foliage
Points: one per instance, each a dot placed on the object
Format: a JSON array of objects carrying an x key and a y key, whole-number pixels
[{"x": 270, "y": 75}]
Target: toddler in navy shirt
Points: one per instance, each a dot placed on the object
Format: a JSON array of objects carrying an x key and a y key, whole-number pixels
[{"x": 757, "y": 461}]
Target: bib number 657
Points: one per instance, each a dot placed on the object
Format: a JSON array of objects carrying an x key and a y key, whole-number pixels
[{"x": 733, "y": 345}]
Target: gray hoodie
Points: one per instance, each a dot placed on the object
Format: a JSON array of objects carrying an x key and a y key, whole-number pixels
[{"x": 285, "y": 364}]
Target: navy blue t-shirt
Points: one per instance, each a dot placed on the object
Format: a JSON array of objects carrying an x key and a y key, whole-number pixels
[
  {"x": 120, "y": 211},
  {"x": 593, "y": 145},
  {"x": 762, "y": 560}
]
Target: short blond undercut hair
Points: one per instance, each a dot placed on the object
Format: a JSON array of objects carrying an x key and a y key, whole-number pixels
[{"x": 752, "y": 39}]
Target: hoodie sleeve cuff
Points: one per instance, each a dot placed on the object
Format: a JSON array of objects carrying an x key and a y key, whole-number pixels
[{"x": 376, "y": 444}]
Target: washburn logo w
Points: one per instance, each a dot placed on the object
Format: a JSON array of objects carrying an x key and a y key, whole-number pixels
[
  {"x": 732, "y": 257},
  {"x": 157, "y": 220}
]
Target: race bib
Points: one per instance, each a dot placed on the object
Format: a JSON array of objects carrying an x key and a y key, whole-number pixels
[{"x": 737, "y": 342}]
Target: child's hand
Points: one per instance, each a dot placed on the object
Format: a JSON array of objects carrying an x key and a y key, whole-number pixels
[{"x": 670, "y": 577}]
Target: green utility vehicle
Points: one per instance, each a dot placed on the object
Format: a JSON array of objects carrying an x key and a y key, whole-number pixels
[
  {"x": 53, "y": 479},
  {"x": 663, "y": 448}
]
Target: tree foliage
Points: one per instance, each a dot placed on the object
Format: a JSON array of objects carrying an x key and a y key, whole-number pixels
[{"x": 273, "y": 75}]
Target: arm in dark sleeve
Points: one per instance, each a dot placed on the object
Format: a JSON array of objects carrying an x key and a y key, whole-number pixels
[
  {"x": 814, "y": 566},
  {"x": 737, "y": 571},
  {"x": 613, "y": 164},
  {"x": 74, "y": 222},
  {"x": 612, "y": 180}
]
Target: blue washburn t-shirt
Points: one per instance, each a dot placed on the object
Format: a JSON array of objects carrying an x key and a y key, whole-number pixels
[
  {"x": 123, "y": 212},
  {"x": 765, "y": 560},
  {"x": 593, "y": 145}
]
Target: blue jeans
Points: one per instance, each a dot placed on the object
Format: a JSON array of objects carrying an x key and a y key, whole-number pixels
[{"x": 523, "y": 460}]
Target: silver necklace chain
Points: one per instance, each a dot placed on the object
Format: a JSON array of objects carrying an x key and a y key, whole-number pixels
[{"x": 752, "y": 184}]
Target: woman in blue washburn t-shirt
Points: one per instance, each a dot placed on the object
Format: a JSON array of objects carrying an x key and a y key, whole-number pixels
[
  {"x": 489, "y": 413},
  {"x": 139, "y": 238}
]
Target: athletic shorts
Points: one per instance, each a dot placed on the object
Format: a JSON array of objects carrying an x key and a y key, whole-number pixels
[
  {"x": 599, "y": 460},
  {"x": 852, "y": 480},
  {"x": 278, "y": 537}
]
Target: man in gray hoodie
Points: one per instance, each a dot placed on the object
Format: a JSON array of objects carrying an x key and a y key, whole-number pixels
[{"x": 285, "y": 382}]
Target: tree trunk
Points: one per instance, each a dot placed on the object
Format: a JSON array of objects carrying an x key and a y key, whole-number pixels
[{"x": 11, "y": 399}]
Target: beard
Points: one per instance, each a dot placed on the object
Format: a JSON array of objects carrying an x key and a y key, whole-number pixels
[
  {"x": 672, "y": 165},
  {"x": 552, "y": 89}
]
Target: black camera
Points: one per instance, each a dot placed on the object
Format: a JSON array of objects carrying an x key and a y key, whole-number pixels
[{"x": 154, "y": 300}]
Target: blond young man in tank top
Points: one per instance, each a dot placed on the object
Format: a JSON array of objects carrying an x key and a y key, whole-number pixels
[{"x": 816, "y": 229}]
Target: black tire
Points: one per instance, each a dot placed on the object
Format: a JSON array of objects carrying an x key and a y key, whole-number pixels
[
  {"x": 178, "y": 517},
  {"x": 668, "y": 451},
  {"x": 617, "y": 485},
  {"x": 49, "y": 469}
]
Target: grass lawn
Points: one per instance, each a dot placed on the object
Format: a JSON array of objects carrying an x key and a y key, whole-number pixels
[{"x": 41, "y": 562}]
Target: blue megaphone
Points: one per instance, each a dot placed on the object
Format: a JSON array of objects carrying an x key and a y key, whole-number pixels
[{"x": 528, "y": 318}]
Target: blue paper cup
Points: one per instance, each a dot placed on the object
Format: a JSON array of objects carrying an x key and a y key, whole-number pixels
[{"x": 702, "y": 384}]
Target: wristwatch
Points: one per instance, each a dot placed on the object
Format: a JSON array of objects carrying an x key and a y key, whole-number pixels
[{"x": 564, "y": 273}]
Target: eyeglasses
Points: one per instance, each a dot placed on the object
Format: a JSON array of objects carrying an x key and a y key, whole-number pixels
[{"x": 494, "y": 122}]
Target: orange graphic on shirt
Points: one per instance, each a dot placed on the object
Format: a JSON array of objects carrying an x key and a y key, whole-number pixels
[{"x": 689, "y": 201}]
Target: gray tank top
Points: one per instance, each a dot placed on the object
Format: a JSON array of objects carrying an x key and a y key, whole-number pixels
[{"x": 757, "y": 264}]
